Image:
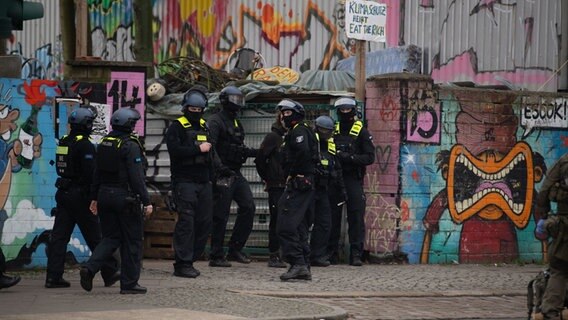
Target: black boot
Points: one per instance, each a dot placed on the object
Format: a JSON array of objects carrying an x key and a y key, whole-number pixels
[
  {"x": 275, "y": 262},
  {"x": 219, "y": 262},
  {"x": 7, "y": 281},
  {"x": 300, "y": 272},
  {"x": 356, "y": 261},
  {"x": 86, "y": 279},
  {"x": 111, "y": 280},
  {"x": 186, "y": 272},
  {"x": 238, "y": 256},
  {"x": 137, "y": 289},
  {"x": 56, "y": 283}
]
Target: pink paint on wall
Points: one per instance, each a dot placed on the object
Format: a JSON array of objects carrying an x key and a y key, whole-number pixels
[{"x": 126, "y": 89}]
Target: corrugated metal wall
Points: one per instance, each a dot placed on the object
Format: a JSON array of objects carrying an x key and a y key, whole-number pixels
[
  {"x": 39, "y": 44},
  {"x": 487, "y": 42}
]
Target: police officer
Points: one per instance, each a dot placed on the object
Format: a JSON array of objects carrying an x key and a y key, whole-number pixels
[
  {"x": 118, "y": 192},
  {"x": 269, "y": 167},
  {"x": 6, "y": 281},
  {"x": 295, "y": 205},
  {"x": 355, "y": 150},
  {"x": 192, "y": 173},
  {"x": 227, "y": 136},
  {"x": 328, "y": 173},
  {"x": 75, "y": 164},
  {"x": 555, "y": 188}
]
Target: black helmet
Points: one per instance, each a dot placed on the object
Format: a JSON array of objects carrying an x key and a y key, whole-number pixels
[
  {"x": 289, "y": 104},
  {"x": 325, "y": 122},
  {"x": 82, "y": 118},
  {"x": 193, "y": 98},
  {"x": 124, "y": 119},
  {"x": 345, "y": 103},
  {"x": 232, "y": 98}
]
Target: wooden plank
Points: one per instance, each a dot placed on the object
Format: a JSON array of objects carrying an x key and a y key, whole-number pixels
[
  {"x": 163, "y": 226},
  {"x": 161, "y": 253}
]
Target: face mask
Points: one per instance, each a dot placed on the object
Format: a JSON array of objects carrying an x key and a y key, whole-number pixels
[
  {"x": 324, "y": 134},
  {"x": 290, "y": 121},
  {"x": 194, "y": 116},
  {"x": 347, "y": 117}
]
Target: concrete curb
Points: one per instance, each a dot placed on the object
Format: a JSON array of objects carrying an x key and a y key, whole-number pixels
[
  {"x": 392, "y": 294},
  {"x": 336, "y": 314}
]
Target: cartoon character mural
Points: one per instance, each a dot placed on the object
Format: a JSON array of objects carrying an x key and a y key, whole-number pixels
[{"x": 490, "y": 182}]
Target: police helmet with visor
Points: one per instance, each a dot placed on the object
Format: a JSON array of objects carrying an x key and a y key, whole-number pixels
[
  {"x": 324, "y": 126},
  {"x": 82, "y": 118},
  {"x": 232, "y": 98},
  {"x": 346, "y": 108}
]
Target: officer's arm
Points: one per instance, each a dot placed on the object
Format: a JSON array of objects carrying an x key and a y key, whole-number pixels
[
  {"x": 268, "y": 145},
  {"x": 174, "y": 143},
  {"x": 135, "y": 167},
  {"x": 94, "y": 191},
  {"x": 301, "y": 147},
  {"x": 367, "y": 154},
  {"x": 215, "y": 129},
  {"x": 552, "y": 176},
  {"x": 338, "y": 174},
  {"x": 86, "y": 156}
]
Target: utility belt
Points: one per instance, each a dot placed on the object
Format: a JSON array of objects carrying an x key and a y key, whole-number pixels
[
  {"x": 134, "y": 204},
  {"x": 67, "y": 183},
  {"x": 200, "y": 159},
  {"x": 117, "y": 185}
]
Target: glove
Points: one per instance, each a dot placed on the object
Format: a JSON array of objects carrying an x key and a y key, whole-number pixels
[
  {"x": 540, "y": 231},
  {"x": 345, "y": 157}
]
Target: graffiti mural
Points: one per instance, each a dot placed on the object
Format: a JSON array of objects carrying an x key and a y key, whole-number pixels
[{"x": 33, "y": 115}]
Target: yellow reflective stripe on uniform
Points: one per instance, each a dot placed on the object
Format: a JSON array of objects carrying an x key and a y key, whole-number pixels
[
  {"x": 324, "y": 162},
  {"x": 331, "y": 146},
  {"x": 236, "y": 123},
  {"x": 114, "y": 139},
  {"x": 354, "y": 131},
  {"x": 201, "y": 138},
  {"x": 79, "y": 138},
  {"x": 184, "y": 122},
  {"x": 356, "y": 128},
  {"x": 62, "y": 150},
  {"x": 202, "y": 122}
]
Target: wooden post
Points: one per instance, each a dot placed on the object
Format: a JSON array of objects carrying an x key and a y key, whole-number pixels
[
  {"x": 81, "y": 28},
  {"x": 143, "y": 45},
  {"x": 67, "y": 24},
  {"x": 360, "y": 72}
]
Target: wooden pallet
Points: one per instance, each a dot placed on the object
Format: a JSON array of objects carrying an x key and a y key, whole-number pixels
[{"x": 158, "y": 234}]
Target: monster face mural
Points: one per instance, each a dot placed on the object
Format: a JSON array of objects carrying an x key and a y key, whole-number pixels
[{"x": 490, "y": 180}]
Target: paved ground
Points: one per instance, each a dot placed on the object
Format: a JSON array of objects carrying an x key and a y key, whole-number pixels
[{"x": 255, "y": 291}]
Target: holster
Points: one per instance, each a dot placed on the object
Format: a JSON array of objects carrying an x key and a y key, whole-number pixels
[{"x": 134, "y": 204}]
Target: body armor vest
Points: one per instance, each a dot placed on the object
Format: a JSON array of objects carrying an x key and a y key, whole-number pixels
[
  {"x": 66, "y": 167},
  {"x": 231, "y": 147},
  {"x": 345, "y": 142},
  {"x": 109, "y": 162},
  {"x": 195, "y": 137}
]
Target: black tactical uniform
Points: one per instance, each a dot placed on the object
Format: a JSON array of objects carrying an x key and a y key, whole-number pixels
[
  {"x": 355, "y": 150},
  {"x": 328, "y": 176},
  {"x": 75, "y": 164},
  {"x": 269, "y": 167},
  {"x": 296, "y": 204},
  {"x": 555, "y": 189},
  {"x": 119, "y": 190},
  {"x": 192, "y": 174},
  {"x": 5, "y": 280},
  {"x": 227, "y": 136}
]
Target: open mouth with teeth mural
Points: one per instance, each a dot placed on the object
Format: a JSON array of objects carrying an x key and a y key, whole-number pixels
[{"x": 491, "y": 184}]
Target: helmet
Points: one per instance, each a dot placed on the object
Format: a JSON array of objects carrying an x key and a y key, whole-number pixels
[
  {"x": 232, "y": 98},
  {"x": 82, "y": 118},
  {"x": 289, "y": 104},
  {"x": 325, "y": 122},
  {"x": 193, "y": 98},
  {"x": 345, "y": 103},
  {"x": 124, "y": 119}
]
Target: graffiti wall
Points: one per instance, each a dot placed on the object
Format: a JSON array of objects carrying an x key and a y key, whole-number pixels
[
  {"x": 33, "y": 115},
  {"x": 458, "y": 171}
]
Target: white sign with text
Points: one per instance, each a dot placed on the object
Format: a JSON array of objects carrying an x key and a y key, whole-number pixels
[{"x": 365, "y": 20}]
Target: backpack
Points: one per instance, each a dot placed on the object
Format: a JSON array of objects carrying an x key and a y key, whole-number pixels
[{"x": 535, "y": 293}]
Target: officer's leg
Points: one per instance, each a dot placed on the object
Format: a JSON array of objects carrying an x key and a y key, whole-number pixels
[
  {"x": 274, "y": 195},
  {"x": 321, "y": 228},
  {"x": 245, "y": 214},
  {"x": 90, "y": 228},
  {"x": 292, "y": 209},
  {"x": 2, "y": 262},
  {"x": 554, "y": 295},
  {"x": 222, "y": 205},
  {"x": 110, "y": 229},
  {"x": 184, "y": 235},
  {"x": 60, "y": 235},
  {"x": 355, "y": 216},
  {"x": 335, "y": 231},
  {"x": 131, "y": 228},
  {"x": 203, "y": 220}
]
